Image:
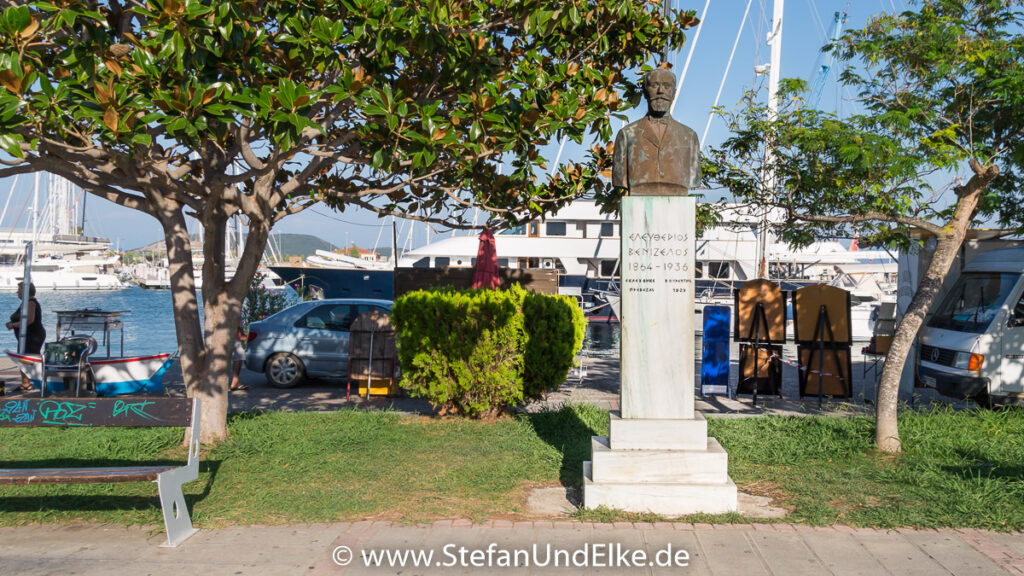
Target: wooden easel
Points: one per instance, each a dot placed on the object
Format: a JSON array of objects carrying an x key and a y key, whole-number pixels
[
  {"x": 822, "y": 327},
  {"x": 758, "y": 333},
  {"x": 755, "y": 335},
  {"x": 372, "y": 357}
]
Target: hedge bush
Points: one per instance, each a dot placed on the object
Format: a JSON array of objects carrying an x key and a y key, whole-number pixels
[
  {"x": 554, "y": 327},
  {"x": 477, "y": 352}
]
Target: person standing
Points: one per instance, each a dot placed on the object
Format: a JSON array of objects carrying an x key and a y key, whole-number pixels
[
  {"x": 35, "y": 334},
  {"x": 237, "y": 358}
]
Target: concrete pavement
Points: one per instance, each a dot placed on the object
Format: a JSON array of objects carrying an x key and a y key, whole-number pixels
[{"x": 494, "y": 547}]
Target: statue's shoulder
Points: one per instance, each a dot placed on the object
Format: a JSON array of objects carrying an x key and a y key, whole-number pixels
[
  {"x": 683, "y": 128},
  {"x": 632, "y": 127}
]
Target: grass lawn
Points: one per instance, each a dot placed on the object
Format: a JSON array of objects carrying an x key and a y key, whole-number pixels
[{"x": 959, "y": 468}]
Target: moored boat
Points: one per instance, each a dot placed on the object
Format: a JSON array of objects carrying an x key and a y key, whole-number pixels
[{"x": 113, "y": 376}]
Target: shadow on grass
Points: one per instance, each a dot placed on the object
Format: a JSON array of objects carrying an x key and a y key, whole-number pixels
[
  {"x": 979, "y": 466},
  {"x": 568, "y": 430},
  {"x": 99, "y": 502}
]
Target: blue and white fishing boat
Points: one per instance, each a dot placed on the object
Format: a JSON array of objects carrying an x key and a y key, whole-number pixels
[{"x": 112, "y": 376}]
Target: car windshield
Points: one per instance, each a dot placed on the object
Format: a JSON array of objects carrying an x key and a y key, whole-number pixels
[{"x": 974, "y": 301}]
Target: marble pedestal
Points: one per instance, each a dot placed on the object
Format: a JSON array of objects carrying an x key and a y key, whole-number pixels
[
  {"x": 658, "y": 457},
  {"x": 665, "y": 466}
]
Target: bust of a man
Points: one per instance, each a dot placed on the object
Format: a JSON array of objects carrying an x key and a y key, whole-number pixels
[{"x": 657, "y": 156}]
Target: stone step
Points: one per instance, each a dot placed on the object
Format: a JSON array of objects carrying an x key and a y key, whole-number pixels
[
  {"x": 708, "y": 466},
  {"x": 662, "y": 499},
  {"x": 655, "y": 434}
]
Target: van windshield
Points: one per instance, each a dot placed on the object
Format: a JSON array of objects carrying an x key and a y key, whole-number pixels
[{"x": 974, "y": 301}]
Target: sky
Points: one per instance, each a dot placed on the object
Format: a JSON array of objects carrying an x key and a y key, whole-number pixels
[{"x": 806, "y": 28}]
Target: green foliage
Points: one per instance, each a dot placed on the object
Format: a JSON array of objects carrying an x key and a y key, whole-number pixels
[
  {"x": 554, "y": 326},
  {"x": 462, "y": 349},
  {"x": 942, "y": 90},
  {"x": 260, "y": 303},
  {"x": 477, "y": 352},
  {"x": 413, "y": 101}
]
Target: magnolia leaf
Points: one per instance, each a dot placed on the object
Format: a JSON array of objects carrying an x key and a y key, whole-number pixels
[
  {"x": 110, "y": 119},
  {"x": 10, "y": 81},
  {"x": 102, "y": 95},
  {"x": 113, "y": 67},
  {"x": 30, "y": 30}
]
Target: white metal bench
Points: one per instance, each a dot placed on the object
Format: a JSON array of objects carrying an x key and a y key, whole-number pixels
[{"x": 124, "y": 412}]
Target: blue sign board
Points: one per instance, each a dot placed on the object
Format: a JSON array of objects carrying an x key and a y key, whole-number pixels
[{"x": 714, "y": 367}]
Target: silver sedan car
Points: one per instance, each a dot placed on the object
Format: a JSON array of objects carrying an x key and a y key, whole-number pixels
[{"x": 308, "y": 339}]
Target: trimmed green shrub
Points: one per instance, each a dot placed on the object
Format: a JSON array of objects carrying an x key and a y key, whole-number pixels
[
  {"x": 477, "y": 352},
  {"x": 462, "y": 349},
  {"x": 554, "y": 335}
]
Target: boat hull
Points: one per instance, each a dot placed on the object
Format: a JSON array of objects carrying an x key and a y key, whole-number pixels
[
  {"x": 113, "y": 376},
  {"x": 339, "y": 282}
]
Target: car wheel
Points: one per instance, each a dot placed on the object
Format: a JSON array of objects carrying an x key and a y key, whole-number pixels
[{"x": 284, "y": 370}]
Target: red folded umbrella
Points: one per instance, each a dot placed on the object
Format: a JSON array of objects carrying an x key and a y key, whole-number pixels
[{"x": 485, "y": 272}]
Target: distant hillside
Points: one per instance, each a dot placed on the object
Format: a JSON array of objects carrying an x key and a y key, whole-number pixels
[
  {"x": 303, "y": 245},
  {"x": 284, "y": 245}
]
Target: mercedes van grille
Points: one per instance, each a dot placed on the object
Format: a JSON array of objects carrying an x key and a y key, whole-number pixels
[{"x": 935, "y": 355}]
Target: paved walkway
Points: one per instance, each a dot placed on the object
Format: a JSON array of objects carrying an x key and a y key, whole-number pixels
[{"x": 459, "y": 547}]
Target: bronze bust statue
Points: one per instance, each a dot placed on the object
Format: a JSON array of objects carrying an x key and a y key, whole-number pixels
[{"x": 657, "y": 156}]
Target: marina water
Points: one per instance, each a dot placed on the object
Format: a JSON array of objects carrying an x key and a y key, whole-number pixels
[{"x": 148, "y": 319}]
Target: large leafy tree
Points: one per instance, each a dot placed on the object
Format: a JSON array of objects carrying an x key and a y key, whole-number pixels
[
  {"x": 942, "y": 91},
  {"x": 263, "y": 108}
]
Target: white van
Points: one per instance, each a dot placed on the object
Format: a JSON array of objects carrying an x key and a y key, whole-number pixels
[{"x": 973, "y": 345}]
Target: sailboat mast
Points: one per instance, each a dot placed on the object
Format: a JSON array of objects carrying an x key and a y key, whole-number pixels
[
  {"x": 664, "y": 50},
  {"x": 35, "y": 208},
  {"x": 774, "y": 68}
]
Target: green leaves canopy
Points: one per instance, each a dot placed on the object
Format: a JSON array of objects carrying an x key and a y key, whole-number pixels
[
  {"x": 942, "y": 90},
  {"x": 406, "y": 107}
]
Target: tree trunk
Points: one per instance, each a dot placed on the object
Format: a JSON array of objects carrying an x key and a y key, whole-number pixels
[
  {"x": 222, "y": 309},
  {"x": 887, "y": 435},
  {"x": 205, "y": 350}
]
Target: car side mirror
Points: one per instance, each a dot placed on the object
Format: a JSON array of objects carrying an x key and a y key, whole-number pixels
[{"x": 1016, "y": 321}]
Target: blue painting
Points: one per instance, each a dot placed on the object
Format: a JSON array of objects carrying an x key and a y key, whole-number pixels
[{"x": 714, "y": 367}]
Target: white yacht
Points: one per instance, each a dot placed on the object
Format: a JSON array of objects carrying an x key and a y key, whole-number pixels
[
  {"x": 63, "y": 258},
  {"x": 65, "y": 273}
]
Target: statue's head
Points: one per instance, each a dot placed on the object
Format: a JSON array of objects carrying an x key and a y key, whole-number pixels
[{"x": 659, "y": 90}]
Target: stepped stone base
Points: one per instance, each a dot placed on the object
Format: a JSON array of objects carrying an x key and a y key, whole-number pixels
[
  {"x": 668, "y": 467},
  {"x": 654, "y": 434},
  {"x": 707, "y": 466},
  {"x": 666, "y": 499}
]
